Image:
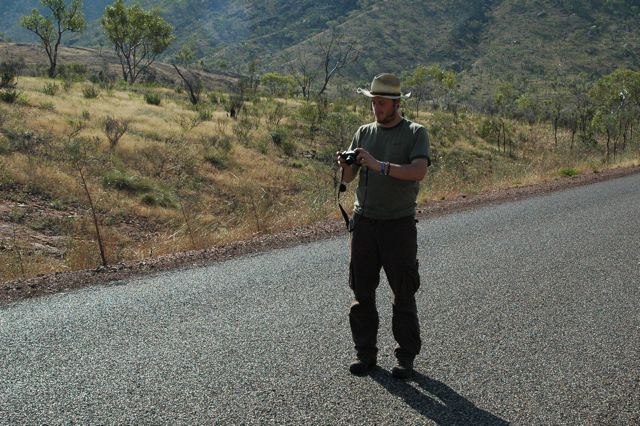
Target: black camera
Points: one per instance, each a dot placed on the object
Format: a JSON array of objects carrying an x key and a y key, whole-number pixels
[{"x": 349, "y": 157}]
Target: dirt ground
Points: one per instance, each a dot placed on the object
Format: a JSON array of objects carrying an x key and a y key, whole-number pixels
[{"x": 66, "y": 281}]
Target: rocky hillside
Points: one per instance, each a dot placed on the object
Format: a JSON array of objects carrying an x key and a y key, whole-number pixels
[{"x": 486, "y": 40}]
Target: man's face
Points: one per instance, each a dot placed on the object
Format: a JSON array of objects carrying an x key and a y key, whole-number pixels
[{"x": 384, "y": 109}]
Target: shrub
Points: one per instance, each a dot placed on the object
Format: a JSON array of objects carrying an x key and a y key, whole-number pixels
[
  {"x": 8, "y": 82},
  {"x": 222, "y": 142},
  {"x": 217, "y": 150},
  {"x": 288, "y": 147},
  {"x": 49, "y": 106},
  {"x": 159, "y": 198},
  {"x": 152, "y": 98},
  {"x": 5, "y": 147},
  {"x": 114, "y": 129},
  {"x": 90, "y": 92},
  {"x": 213, "y": 98},
  {"x": 8, "y": 75},
  {"x": 50, "y": 89},
  {"x": 569, "y": 172},
  {"x": 205, "y": 114},
  {"x": 67, "y": 84},
  {"x": 9, "y": 95},
  {"x": 217, "y": 158},
  {"x": 122, "y": 181},
  {"x": 73, "y": 71}
]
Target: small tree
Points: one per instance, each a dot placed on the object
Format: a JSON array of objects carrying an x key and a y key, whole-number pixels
[
  {"x": 614, "y": 97},
  {"x": 138, "y": 36},
  {"x": 8, "y": 81},
  {"x": 505, "y": 101},
  {"x": 186, "y": 58},
  {"x": 418, "y": 81},
  {"x": 275, "y": 84},
  {"x": 336, "y": 53},
  {"x": 114, "y": 129},
  {"x": 303, "y": 72},
  {"x": 237, "y": 98},
  {"x": 555, "y": 105},
  {"x": 51, "y": 29},
  {"x": 81, "y": 152}
]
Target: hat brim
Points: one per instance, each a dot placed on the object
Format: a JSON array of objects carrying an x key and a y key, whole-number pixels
[{"x": 378, "y": 95}]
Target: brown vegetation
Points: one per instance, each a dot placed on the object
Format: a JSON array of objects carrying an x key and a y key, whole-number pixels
[{"x": 180, "y": 177}]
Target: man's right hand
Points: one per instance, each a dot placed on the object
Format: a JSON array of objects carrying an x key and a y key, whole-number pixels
[
  {"x": 341, "y": 161},
  {"x": 348, "y": 171}
]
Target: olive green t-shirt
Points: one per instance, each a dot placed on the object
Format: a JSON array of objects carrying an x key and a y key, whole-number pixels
[{"x": 384, "y": 197}]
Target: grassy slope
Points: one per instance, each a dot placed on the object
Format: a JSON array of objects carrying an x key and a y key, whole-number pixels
[{"x": 168, "y": 186}]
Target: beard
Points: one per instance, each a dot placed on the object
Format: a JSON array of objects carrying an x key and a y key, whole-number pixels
[{"x": 388, "y": 118}]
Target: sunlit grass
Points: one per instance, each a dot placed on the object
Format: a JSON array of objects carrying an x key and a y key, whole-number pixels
[{"x": 226, "y": 179}]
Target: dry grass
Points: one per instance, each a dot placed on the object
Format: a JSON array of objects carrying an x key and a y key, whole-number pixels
[{"x": 186, "y": 183}]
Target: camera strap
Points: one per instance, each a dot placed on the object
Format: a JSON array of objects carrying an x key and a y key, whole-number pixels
[
  {"x": 342, "y": 188},
  {"x": 351, "y": 223}
]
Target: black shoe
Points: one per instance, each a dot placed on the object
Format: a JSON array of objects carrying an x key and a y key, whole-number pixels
[
  {"x": 403, "y": 370},
  {"x": 361, "y": 367}
]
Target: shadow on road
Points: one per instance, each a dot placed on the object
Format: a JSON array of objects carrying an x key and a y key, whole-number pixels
[{"x": 436, "y": 401}]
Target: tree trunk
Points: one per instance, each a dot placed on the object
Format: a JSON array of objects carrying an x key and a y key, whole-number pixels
[
  {"x": 607, "y": 148},
  {"x": 95, "y": 217}
]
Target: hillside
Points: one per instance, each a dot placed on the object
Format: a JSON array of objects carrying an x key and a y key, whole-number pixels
[
  {"x": 485, "y": 40},
  {"x": 34, "y": 62},
  {"x": 184, "y": 178}
]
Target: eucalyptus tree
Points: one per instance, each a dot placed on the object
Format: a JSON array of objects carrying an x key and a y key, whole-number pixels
[
  {"x": 138, "y": 36},
  {"x": 64, "y": 18},
  {"x": 615, "y": 97}
]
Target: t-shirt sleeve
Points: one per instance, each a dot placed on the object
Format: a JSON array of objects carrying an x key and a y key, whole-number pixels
[
  {"x": 355, "y": 142},
  {"x": 421, "y": 145}
]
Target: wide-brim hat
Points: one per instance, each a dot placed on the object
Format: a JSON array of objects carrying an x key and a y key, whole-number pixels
[{"x": 385, "y": 85}]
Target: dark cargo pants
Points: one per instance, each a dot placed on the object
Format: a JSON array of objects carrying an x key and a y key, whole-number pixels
[{"x": 391, "y": 245}]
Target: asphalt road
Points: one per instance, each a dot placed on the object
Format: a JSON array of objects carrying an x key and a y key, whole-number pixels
[{"x": 529, "y": 312}]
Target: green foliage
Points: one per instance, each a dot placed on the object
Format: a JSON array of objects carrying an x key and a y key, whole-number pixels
[
  {"x": 5, "y": 148},
  {"x": 73, "y": 71},
  {"x": 8, "y": 82},
  {"x": 138, "y": 36},
  {"x": 114, "y": 129},
  {"x": 275, "y": 84},
  {"x": 51, "y": 28},
  {"x": 288, "y": 146},
  {"x": 217, "y": 151},
  {"x": 489, "y": 130},
  {"x": 152, "y": 98},
  {"x": 160, "y": 198},
  {"x": 9, "y": 96},
  {"x": 205, "y": 114},
  {"x": 432, "y": 82},
  {"x": 49, "y": 106},
  {"x": 50, "y": 89},
  {"x": 122, "y": 181},
  {"x": 90, "y": 92},
  {"x": 81, "y": 151},
  {"x": 569, "y": 172}
]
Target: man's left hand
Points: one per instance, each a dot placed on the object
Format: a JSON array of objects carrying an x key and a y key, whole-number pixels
[{"x": 365, "y": 159}]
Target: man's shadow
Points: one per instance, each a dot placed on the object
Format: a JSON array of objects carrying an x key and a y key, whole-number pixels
[{"x": 435, "y": 400}]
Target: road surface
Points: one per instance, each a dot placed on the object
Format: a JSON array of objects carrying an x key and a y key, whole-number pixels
[{"x": 529, "y": 313}]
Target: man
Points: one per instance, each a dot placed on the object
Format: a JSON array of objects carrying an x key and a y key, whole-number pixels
[{"x": 392, "y": 156}]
